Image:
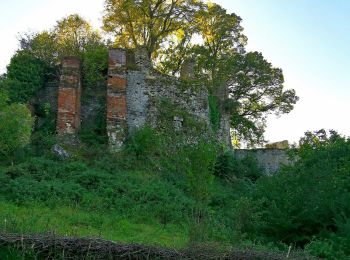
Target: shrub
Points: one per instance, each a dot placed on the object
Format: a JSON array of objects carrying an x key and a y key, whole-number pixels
[
  {"x": 304, "y": 200},
  {"x": 94, "y": 65},
  {"x": 230, "y": 167},
  {"x": 15, "y": 127},
  {"x": 143, "y": 143},
  {"x": 130, "y": 194},
  {"x": 25, "y": 76}
]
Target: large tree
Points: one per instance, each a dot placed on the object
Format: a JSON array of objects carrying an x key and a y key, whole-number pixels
[
  {"x": 255, "y": 90},
  {"x": 246, "y": 85},
  {"x": 146, "y": 23},
  {"x": 73, "y": 34}
]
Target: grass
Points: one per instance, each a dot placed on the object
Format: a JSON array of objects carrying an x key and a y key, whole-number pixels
[{"x": 69, "y": 221}]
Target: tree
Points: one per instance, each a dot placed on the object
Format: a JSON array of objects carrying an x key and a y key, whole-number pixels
[
  {"x": 308, "y": 201},
  {"x": 145, "y": 23},
  {"x": 15, "y": 126},
  {"x": 222, "y": 37},
  {"x": 42, "y": 46},
  {"x": 71, "y": 36},
  {"x": 246, "y": 85},
  {"x": 256, "y": 89}
]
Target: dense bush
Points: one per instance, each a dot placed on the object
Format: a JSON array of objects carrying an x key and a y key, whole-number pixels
[
  {"x": 94, "y": 65},
  {"x": 231, "y": 167},
  {"x": 15, "y": 126},
  {"x": 144, "y": 143},
  {"x": 25, "y": 75},
  {"x": 307, "y": 203},
  {"x": 74, "y": 183}
]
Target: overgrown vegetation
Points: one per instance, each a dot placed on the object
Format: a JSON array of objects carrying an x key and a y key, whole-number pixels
[
  {"x": 15, "y": 126},
  {"x": 202, "y": 194},
  {"x": 167, "y": 187}
]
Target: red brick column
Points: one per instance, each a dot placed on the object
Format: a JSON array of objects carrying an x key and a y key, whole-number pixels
[
  {"x": 116, "y": 98},
  {"x": 68, "y": 107}
]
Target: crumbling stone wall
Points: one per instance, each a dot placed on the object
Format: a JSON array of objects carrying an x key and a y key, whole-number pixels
[
  {"x": 137, "y": 92},
  {"x": 136, "y": 95},
  {"x": 148, "y": 90},
  {"x": 69, "y": 92},
  {"x": 116, "y": 98}
]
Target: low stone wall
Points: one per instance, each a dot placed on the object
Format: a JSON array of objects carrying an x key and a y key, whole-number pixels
[{"x": 269, "y": 159}]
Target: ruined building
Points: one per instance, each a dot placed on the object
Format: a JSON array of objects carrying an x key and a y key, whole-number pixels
[{"x": 136, "y": 94}]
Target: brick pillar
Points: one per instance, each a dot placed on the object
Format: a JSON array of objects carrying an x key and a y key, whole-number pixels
[
  {"x": 68, "y": 107},
  {"x": 116, "y": 98}
]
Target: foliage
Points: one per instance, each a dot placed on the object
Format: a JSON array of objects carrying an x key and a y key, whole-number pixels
[
  {"x": 247, "y": 86},
  {"x": 26, "y": 75},
  {"x": 257, "y": 87},
  {"x": 15, "y": 126},
  {"x": 94, "y": 65},
  {"x": 200, "y": 177},
  {"x": 201, "y": 158},
  {"x": 51, "y": 182},
  {"x": 144, "y": 143},
  {"x": 231, "y": 168},
  {"x": 209, "y": 196},
  {"x": 145, "y": 23},
  {"x": 71, "y": 36},
  {"x": 298, "y": 205}
]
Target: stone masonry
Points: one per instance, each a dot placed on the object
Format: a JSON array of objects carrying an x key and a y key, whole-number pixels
[
  {"x": 137, "y": 95},
  {"x": 116, "y": 98},
  {"x": 69, "y": 92}
]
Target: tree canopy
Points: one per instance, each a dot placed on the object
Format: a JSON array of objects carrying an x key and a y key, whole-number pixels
[{"x": 145, "y": 23}]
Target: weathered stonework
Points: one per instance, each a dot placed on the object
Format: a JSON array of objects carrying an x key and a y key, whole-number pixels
[
  {"x": 69, "y": 92},
  {"x": 116, "y": 98},
  {"x": 136, "y": 95},
  {"x": 147, "y": 90}
]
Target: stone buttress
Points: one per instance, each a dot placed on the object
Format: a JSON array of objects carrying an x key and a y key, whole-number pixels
[
  {"x": 69, "y": 92},
  {"x": 116, "y": 98}
]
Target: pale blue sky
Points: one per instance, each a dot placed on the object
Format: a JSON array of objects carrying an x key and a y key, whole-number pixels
[{"x": 308, "y": 39}]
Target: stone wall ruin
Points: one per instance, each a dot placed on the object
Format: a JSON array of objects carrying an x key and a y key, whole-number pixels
[{"x": 136, "y": 95}]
